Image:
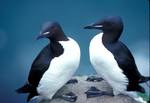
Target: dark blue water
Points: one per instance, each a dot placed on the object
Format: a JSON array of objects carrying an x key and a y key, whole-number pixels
[{"x": 20, "y": 22}]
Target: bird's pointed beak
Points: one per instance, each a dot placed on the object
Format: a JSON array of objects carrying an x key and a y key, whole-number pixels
[
  {"x": 93, "y": 26},
  {"x": 42, "y": 35},
  {"x": 39, "y": 37}
]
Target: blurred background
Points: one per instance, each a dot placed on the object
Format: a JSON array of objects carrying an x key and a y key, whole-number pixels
[{"x": 20, "y": 22}]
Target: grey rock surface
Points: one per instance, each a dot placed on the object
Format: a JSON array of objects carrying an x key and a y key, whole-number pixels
[{"x": 82, "y": 86}]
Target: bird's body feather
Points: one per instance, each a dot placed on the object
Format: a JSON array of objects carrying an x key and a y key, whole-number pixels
[
  {"x": 105, "y": 65},
  {"x": 126, "y": 62},
  {"x": 61, "y": 69},
  {"x": 40, "y": 65}
]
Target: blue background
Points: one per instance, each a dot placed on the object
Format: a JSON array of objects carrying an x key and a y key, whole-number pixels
[{"x": 20, "y": 22}]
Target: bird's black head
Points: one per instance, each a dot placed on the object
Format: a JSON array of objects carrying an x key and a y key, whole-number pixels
[
  {"x": 52, "y": 31},
  {"x": 108, "y": 24},
  {"x": 111, "y": 26}
]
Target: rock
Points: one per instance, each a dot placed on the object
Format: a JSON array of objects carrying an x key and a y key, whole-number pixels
[{"x": 82, "y": 86}]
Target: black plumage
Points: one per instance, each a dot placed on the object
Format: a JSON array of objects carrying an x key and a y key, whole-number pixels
[
  {"x": 38, "y": 68},
  {"x": 126, "y": 62}
]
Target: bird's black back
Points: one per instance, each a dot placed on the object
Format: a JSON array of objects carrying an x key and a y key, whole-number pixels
[
  {"x": 42, "y": 62},
  {"x": 126, "y": 62},
  {"x": 40, "y": 65}
]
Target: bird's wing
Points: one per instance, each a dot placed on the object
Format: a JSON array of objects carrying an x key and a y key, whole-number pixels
[
  {"x": 40, "y": 65},
  {"x": 125, "y": 61}
]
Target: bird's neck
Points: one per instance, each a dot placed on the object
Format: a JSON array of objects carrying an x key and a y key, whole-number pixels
[
  {"x": 109, "y": 38},
  {"x": 56, "y": 48},
  {"x": 62, "y": 37},
  {"x": 59, "y": 36}
]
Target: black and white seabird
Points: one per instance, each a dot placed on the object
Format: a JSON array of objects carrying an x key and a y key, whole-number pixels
[
  {"x": 113, "y": 60},
  {"x": 54, "y": 65}
]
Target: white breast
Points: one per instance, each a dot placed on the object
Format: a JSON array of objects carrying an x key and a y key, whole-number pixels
[
  {"x": 61, "y": 69},
  {"x": 104, "y": 63}
]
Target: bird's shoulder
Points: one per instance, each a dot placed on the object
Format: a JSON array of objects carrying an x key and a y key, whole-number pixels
[
  {"x": 43, "y": 57},
  {"x": 125, "y": 60},
  {"x": 120, "y": 52}
]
